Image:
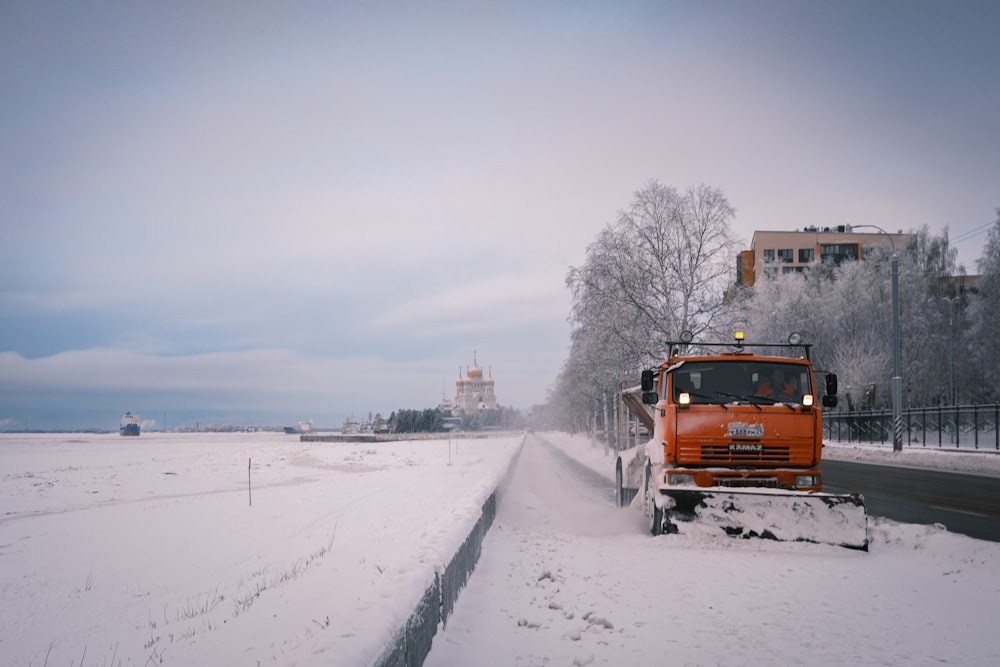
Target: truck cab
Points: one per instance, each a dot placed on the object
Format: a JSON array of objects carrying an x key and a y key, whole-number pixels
[
  {"x": 738, "y": 418},
  {"x": 736, "y": 444}
]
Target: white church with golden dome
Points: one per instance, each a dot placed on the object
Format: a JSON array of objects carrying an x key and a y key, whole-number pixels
[{"x": 473, "y": 392}]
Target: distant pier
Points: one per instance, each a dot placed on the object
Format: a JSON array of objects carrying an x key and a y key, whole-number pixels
[{"x": 394, "y": 437}]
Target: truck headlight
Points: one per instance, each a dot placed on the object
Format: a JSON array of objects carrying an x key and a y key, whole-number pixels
[
  {"x": 679, "y": 479},
  {"x": 808, "y": 400},
  {"x": 684, "y": 398},
  {"x": 806, "y": 480}
]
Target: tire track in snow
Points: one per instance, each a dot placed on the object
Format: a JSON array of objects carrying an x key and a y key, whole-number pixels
[{"x": 530, "y": 579}]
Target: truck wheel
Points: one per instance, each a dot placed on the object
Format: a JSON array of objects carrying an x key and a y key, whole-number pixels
[
  {"x": 619, "y": 491},
  {"x": 656, "y": 521},
  {"x": 645, "y": 483},
  {"x": 655, "y": 513}
]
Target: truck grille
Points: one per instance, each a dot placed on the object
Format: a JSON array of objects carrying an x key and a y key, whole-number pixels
[
  {"x": 743, "y": 453},
  {"x": 749, "y": 482}
]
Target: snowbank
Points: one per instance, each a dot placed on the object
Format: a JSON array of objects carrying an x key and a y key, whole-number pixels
[{"x": 982, "y": 462}]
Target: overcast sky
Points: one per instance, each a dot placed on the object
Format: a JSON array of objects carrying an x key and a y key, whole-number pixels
[{"x": 318, "y": 210}]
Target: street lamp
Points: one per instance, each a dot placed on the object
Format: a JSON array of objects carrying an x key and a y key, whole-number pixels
[{"x": 896, "y": 385}]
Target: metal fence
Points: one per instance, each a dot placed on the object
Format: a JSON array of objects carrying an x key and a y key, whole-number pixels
[{"x": 954, "y": 426}]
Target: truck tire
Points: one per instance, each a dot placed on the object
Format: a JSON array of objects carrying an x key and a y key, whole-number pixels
[
  {"x": 656, "y": 521},
  {"x": 655, "y": 513},
  {"x": 619, "y": 491}
]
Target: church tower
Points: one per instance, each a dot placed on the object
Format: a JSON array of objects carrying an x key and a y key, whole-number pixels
[{"x": 473, "y": 391}]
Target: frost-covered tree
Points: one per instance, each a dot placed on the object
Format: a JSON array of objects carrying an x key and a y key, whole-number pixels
[
  {"x": 604, "y": 340},
  {"x": 846, "y": 312},
  {"x": 984, "y": 316},
  {"x": 929, "y": 342},
  {"x": 681, "y": 248},
  {"x": 662, "y": 267},
  {"x": 843, "y": 312}
]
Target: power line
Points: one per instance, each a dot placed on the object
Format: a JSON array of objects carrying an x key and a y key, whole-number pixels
[{"x": 976, "y": 231}]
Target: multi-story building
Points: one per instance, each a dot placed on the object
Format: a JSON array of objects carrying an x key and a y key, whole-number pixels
[{"x": 772, "y": 253}]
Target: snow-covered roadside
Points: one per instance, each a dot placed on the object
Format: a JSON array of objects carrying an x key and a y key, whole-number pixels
[
  {"x": 125, "y": 551},
  {"x": 983, "y": 462},
  {"x": 566, "y": 578}
]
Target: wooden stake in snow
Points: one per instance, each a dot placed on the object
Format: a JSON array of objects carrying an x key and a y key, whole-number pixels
[{"x": 249, "y": 490}]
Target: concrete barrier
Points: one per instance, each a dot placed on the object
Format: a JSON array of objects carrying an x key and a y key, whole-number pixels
[{"x": 412, "y": 642}]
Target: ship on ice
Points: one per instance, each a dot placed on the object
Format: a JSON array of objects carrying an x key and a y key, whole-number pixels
[
  {"x": 303, "y": 427},
  {"x": 130, "y": 424}
]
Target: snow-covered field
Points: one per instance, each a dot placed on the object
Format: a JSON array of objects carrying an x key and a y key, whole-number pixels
[
  {"x": 118, "y": 551},
  {"x": 134, "y": 551}
]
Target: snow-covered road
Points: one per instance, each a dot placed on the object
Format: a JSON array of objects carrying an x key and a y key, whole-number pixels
[{"x": 565, "y": 578}]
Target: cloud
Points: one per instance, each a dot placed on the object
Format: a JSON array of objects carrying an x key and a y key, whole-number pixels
[
  {"x": 262, "y": 379},
  {"x": 265, "y": 372},
  {"x": 484, "y": 303},
  {"x": 290, "y": 204}
]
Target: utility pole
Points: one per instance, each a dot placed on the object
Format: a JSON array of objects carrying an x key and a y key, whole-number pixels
[
  {"x": 896, "y": 383},
  {"x": 897, "y": 373},
  {"x": 951, "y": 347}
]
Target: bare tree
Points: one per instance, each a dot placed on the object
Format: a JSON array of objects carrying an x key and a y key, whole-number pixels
[
  {"x": 681, "y": 248},
  {"x": 661, "y": 268}
]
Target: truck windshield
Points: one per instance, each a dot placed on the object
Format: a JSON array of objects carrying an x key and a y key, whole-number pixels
[{"x": 730, "y": 381}]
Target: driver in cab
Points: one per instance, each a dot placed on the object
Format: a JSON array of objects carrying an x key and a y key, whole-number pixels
[{"x": 777, "y": 386}]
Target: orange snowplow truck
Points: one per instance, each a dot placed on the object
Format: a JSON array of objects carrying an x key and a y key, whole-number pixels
[{"x": 736, "y": 443}]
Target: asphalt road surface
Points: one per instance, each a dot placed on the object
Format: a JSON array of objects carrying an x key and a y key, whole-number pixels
[{"x": 967, "y": 504}]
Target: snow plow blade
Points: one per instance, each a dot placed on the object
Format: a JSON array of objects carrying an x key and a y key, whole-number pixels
[{"x": 786, "y": 516}]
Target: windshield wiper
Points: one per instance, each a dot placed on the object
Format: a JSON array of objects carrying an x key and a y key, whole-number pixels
[
  {"x": 774, "y": 401},
  {"x": 740, "y": 397}
]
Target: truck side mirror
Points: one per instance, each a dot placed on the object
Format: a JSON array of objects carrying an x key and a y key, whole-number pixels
[
  {"x": 647, "y": 381},
  {"x": 650, "y": 397},
  {"x": 829, "y": 401},
  {"x": 831, "y": 384}
]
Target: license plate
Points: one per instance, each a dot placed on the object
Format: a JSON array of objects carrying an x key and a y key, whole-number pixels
[{"x": 741, "y": 429}]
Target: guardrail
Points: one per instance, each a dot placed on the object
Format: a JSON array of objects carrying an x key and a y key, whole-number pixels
[{"x": 953, "y": 426}]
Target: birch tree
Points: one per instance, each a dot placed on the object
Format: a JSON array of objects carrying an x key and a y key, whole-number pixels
[
  {"x": 854, "y": 331},
  {"x": 682, "y": 249},
  {"x": 984, "y": 314},
  {"x": 846, "y": 312},
  {"x": 662, "y": 267},
  {"x": 932, "y": 344}
]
